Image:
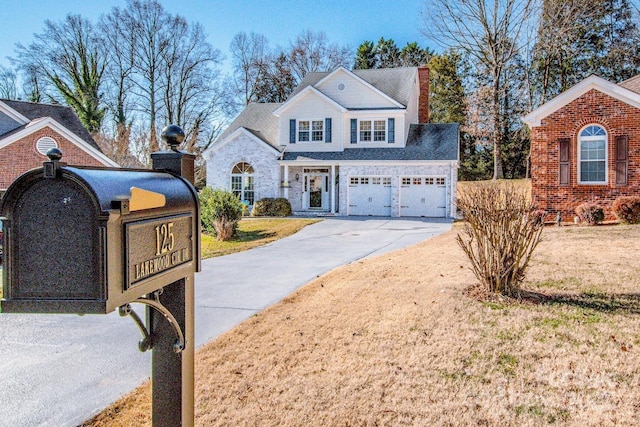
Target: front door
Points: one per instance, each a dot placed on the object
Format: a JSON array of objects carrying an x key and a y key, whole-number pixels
[{"x": 316, "y": 191}]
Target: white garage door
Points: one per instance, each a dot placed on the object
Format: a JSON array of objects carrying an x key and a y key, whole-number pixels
[
  {"x": 423, "y": 196},
  {"x": 370, "y": 195}
]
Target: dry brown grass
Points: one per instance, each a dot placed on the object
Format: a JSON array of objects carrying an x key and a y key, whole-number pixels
[{"x": 397, "y": 340}]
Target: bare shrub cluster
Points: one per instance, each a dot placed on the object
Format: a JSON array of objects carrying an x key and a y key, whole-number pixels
[
  {"x": 627, "y": 208},
  {"x": 591, "y": 213},
  {"x": 500, "y": 233}
]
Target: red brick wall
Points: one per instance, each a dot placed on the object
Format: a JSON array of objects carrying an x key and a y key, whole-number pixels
[
  {"x": 594, "y": 107},
  {"x": 22, "y": 155},
  {"x": 423, "y": 97}
]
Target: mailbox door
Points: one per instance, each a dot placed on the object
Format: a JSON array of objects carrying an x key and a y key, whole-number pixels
[{"x": 53, "y": 221}]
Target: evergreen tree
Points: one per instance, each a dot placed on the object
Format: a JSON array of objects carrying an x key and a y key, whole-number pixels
[
  {"x": 365, "y": 56},
  {"x": 387, "y": 53},
  {"x": 447, "y": 97},
  {"x": 413, "y": 55}
]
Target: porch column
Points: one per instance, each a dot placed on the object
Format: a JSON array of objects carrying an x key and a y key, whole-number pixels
[
  {"x": 285, "y": 184},
  {"x": 333, "y": 189}
]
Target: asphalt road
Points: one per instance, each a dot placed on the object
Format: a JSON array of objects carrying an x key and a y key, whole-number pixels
[{"x": 60, "y": 370}]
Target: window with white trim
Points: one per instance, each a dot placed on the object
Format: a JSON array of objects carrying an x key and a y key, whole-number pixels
[
  {"x": 592, "y": 155},
  {"x": 372, "y": 131},
  {"x": 243, "y": 182},
  {"x": 310, "y": 130}
]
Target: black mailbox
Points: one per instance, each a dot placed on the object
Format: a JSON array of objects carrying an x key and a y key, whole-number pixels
[{"x": 88, "y": 240}]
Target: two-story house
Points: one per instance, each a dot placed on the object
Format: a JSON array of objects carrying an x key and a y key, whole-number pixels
[
  {"x": 28, "y": 130},
  {"x": 345, "y": 142}
]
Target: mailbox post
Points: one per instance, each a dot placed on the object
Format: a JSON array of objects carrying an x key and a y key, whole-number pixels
[
  {"x": 91, "y": 240},
  {"x": 172, "y": 373}
]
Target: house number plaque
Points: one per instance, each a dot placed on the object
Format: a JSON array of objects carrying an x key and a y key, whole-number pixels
[{"x": 156, "y": 246}]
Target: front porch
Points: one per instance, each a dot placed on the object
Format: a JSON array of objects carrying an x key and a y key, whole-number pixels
[{"x": 311, "y": 189}]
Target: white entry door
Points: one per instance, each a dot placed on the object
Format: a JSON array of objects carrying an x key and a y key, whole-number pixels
[
  {"x": 369, "y": 195},
  {"x": 423, "y": 196},
  {"x": 316, "y": 191}
]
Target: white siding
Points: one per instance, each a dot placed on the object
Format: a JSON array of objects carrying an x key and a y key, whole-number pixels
[
  {"x": 355, "y": 94},
  {"x": 312, "y": 107}
]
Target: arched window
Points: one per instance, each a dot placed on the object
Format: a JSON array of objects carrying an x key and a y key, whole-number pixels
[
  {"x": 242, "y": 182},
  {"x": 592, "y": 155}
]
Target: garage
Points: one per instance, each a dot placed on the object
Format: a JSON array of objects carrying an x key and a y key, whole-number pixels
[
  {"x": 369, "y": 195},
  {"x": 423, "y": 196}
]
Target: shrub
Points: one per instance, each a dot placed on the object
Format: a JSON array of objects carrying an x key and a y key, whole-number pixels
[
  {"x": 271, "y": 207},
  {"x": 500, "y": 233},
  {"x": 220, "y": 212},
  {"x": 590, "y": 213},
  {"x": 627, "y": 209}
]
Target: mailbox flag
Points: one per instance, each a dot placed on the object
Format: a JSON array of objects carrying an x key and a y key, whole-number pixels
[{"x": 144, "y": 199}]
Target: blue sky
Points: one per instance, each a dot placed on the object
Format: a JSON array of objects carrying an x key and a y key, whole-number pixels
[{"x": 343, "y": 21}]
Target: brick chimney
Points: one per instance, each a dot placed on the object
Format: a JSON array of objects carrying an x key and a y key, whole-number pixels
[{"x": 423, "y": 96}]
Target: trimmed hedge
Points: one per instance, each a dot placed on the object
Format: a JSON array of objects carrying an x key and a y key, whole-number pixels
[
  {"x": 272, "y": 207},
  {"x": 590, "y": 213},
  {"x": 627, "y": 209}
]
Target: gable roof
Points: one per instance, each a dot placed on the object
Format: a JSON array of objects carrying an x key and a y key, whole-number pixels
[
  {"x": 303, "y": 92},
  {"x": 622, "y": 92},
  {"x": 61, "y": 114},
  {"x": 259, "y": 120},
  {"x": 396, "y": 83},
  {"x": 427, "y": 141}
]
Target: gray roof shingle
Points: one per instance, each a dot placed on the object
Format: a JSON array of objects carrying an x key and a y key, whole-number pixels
[
  {"x": 429, "y": 141},
  {"x": 396, "y": 83},
  {"x": 257, "y": 118},
  {"x": 61, "y": 114},
  {"x": 633, "y": 84}
]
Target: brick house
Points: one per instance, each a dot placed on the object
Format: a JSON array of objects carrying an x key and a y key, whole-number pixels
[
  {"x": 28, "y": 130},
  {"x": 585, "y": 147},
  {"x": 344, "y": 143}
]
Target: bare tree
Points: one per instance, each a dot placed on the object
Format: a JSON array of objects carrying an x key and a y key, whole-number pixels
[
  {"x": 66, "y": 56},
  {"x": 488, "y": 32},
  {"x": 249, "y": 56},
  {"x": 312, "y": 52},
  {"x": 119, "y": 49},
  {"x": 8, "y": 85}
]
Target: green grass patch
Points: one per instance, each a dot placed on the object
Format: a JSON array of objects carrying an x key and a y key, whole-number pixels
[{"x": 253, "y": 232}]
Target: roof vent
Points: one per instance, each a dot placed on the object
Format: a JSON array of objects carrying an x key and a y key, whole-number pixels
[
  {"x": 341, "y": 86},
  {"x": 44, "y": 144}
]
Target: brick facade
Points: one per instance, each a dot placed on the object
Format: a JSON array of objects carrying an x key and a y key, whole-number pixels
[
  {"x": 593, "y": 107},
  {"x": 22, "y": 155}
]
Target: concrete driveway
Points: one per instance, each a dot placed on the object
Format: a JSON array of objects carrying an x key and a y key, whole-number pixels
[{"x": 59, "y": 370}]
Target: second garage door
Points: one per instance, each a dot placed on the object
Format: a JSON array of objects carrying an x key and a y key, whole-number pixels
[
  {"x": 423, "y": 196},
  {"x": 370, "y": 195}
]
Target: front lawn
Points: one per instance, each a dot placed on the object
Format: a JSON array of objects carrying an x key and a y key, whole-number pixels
[
  {"x": 399, "y": 340},
  {"x": 253, "y": 232}
]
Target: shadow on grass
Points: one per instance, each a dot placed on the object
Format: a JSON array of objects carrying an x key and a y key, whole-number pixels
[
  {"x": 602, "y": 302},
  {"x": 250, "y": 236}
]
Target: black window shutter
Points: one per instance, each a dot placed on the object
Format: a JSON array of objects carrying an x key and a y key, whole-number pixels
[
  {"x": 392, "y": 131},
  {"x": 327, "y": 130},
  {"x": 354, "y": 131},
  {"x": 622, "y": 143},
  {"x": 564, "y": 147},
  {"x": 292, "y": 131}
]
